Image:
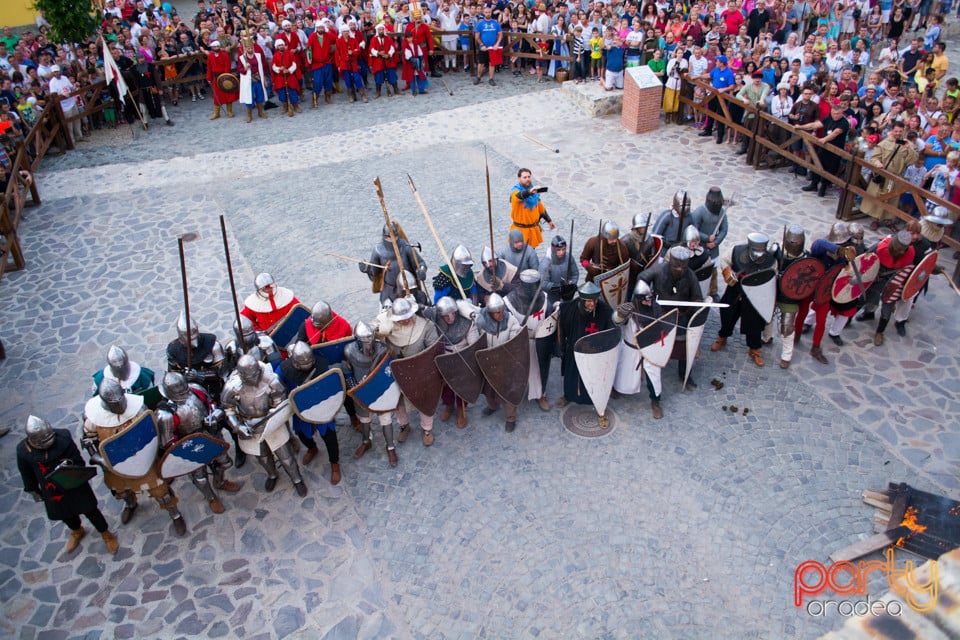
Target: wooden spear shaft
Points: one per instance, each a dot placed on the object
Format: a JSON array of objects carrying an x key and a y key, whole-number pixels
[{"x": 436, "y": 236}]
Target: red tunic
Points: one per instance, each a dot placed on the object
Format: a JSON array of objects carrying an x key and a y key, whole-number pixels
[
  {"x": 410, "y": 52},
  {"x": 421, "y": 35},
  {"x": 284, "y": 60},
  {"x": 886, "y": 259},
  {"x": 322, "y": 47},
  {"x": 382, "y": 45},
  {"x": 219, "y": 62},
  {"x": 349, "y": 50},
  {"x": 338, "y": 328},
  {"x": 267, "y": 312}
]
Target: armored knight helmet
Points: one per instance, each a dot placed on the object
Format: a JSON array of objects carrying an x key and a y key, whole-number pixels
[
  {"x": 679, "y": 258},
  {"x": 321, "y": 315},
  {"x": 640, "y": 221},
  {"x": 174, "y": 386},
  {"x": 248, "y": 369},
  {"x": 411, "y": 280},
  {"x": 714, "y": 200},
  {"x": 192, "y": 336},
  {"x": 462, "y": 261},
  {"x": 403, "y": 309},
  {"x": 757, "y": 245},
  {"x": 641, "y": 291},
  {"x": 793, "y": 240},
  {"x": 364, "y": 336},
  {"x": 514, "y": 237},
  {"x": 839, "y": 233},
  {"x": 690, "y": 234},
  {"x": 681, "y": 203},
  {"x": 40, "y": 434},
  {"x": 302, "y": 356},
  {"x": 266, "y": 285},
  {"x": 558, "y": 242},
  {"x": 245, "y": 332},
  {"x": 610, "y": 230},
  {"x": 856, "y": 231},
  {"x": 386, "y": 231},
  {"x": 112, "y": 396},
  {"x": 118, "y": 362},
  {"x": 446, "y": 306},
  {"x": 486, "y": 257},
  {"x": 495, "y": 303},
  {"x": 900, "y": 242},
  {"x": 589, "y": 291},
  {"x": 530, "y": 278}
]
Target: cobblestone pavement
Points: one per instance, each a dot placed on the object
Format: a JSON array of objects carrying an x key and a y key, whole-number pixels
[{"x": 689, "y": 527}]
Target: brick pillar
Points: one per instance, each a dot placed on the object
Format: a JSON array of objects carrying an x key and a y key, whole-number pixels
[{"x": 642, "y": 98}]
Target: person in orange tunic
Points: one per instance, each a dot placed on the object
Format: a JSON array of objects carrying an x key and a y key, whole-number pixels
[{"x": 526, "y": 210}]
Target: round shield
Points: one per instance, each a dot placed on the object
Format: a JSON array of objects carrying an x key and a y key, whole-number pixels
[
  {"x": 825, "y": 288},
  {"x": 891, "y": 292},
  {"x": 847, "y": 287},
  {"x": 228, "y": 83},
  {"x": 920, "y": 276},
  {"x": 800, "y": 279}
]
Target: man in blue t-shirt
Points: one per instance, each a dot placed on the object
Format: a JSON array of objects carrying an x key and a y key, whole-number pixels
[
  {"x": 722, "y": 80},
  {"x": 489, "y": 35}
]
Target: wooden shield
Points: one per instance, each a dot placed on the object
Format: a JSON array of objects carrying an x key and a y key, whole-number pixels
[
  {"x": 461, "y": 372},
  {"x": 378, "y": 392},
  {"x": 419, "y": 379},
  {"x": 285, "y": 331},
  {"x": 694, "y": 333},
  {"x": 846, "y": 288},
  {"x": 596, "y": 356},
  {"x": 333, "y": 350},
  {"x": 318, "y": 401},
  {"x": 656, "y": 339},
  {"x": 614, "y": 284},
  {"x": 506, "y": 368},
  {"x": 893, "y": 288},
  {"x": 228, "y": 83},
  {"x": 68, "y": 476},
  {"x": 132, "y": 452},
  {"x": 824, "y": 290},
  {"x": 190, "y": 453},
  {"x": 920, "y": 276},
  {"x": 760, "y": 288},
  {"x": 800, "y": 279}
]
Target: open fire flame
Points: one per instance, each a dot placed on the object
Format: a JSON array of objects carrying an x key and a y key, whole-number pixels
[{"x": 910, "y": 521}]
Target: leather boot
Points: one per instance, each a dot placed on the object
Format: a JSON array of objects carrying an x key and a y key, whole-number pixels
[
  {"x": 296, "y": 107},
  {"x": 363, "y": 95},
  {"x": 229, "y": 486},
  {"x": 718, "y": 344},
  {"x": 328, "y": 97},
  {"x": 817, "y": 354},
  {"x": 128, "y": 509},
  {"x": 461, "y": 416},
  {"x": 111, "y": 541},
  {"x": 355, "y": 423},
  {"x": 379, "y": 89},
  {"x": 404, "y": 433},
  {"x": 655, "y": 408},
  {"x": 289, "y": 109},
  {"x": 510, "y": 425},
  {"x": 362, "y": 449},
  {"x": 353, "y": 95},
  {"x": 216, "y": 506},
  {"x": 229, "y": 109},
  {"x": 310, "y": 455},
  {"x": 427, "y": 437},
  {"x": 260, "y": 113},
  {"x": 76, "y": 535},
  {"x": 396, "y": 91},
  {"x": 179, "y": 526},
  {"x": 446, "y": 412},
  {"x": 756, "y": 355},
  {"x": 315, "y": 100},
  {"x": 334, "y": 473},
  {"x": 392, "y": 457},
  {"x": 216, "y": 112},
  {"x": 249, "y": 115}
]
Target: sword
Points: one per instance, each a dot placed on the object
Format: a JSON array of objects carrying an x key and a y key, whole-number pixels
[
  {"x": 684, "y": 303},
  {"x": 716, "y": 229},
  {"x": 393, "y": 238},
  {"x": 280, "y": 407},
  {"x": 859, "y": 279}
]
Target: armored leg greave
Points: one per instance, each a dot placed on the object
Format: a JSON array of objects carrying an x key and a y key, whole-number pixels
[
  {"x": 289, "y": 462},
  {"x": 202, "y": 482}
]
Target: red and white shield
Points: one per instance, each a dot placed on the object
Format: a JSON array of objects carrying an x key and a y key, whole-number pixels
[
  {"x": 920, "y": 276},
  {"x": 846, "y": 288},
  {"x": 656, "y": 339}
]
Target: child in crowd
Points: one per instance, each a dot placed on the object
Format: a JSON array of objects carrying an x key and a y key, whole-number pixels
[
  {"x": 596, "y": 54},
  {"x": 580, "y": 58},
  {"x": 914, "y": 174}
]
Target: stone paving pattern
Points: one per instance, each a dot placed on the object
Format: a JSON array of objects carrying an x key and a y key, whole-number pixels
[{"x": 688, "y": 527}]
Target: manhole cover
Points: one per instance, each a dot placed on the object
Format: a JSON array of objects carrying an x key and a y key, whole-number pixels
[
  {"x": 581, "y": 420},
  {"x": 190, "y": 236}
]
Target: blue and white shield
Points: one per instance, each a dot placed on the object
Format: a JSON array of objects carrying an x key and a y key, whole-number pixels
[
  {"x": 132, "y": 452},
  {"x": 379, "y": 391},
  {"x": 319, "y": 400},
  {"x": 191, "y": 453},
  {"x": 333, "y": 350},
  {"x": 285, "y": 331}
]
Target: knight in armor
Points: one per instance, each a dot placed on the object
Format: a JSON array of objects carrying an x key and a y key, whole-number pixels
[
  {"x": 792, "y": 311},
  {"x": 559, "y": 273},
  {"x": 42, "y": 451},
  {"x": 462, "y": 268},
  {"x": 407, "y": 334},
  {"x": 856, "y": 236},
  {"x": 641, "y": 245},
  {"x": 529, "y": 301},
  {"x": 269, "y": 304},
  {"x": 497, "y": 275},
  {"x": 187, "y": 409},
  {"x": 745, "y": 259},
  {"x": 250, "y": 340},
  {"x": 710, "y": 219},
  {"x": 458, "y": 332},
  {"x": 251, "y": 399},
  {"x": 362, "y": 356},
  {"x": 207, "y": 357},
  {"x": 631, "y": 365},
  {"x": 112, "y": 412},
  {"x": 604, "y": 252},
  {"x": 701, "y": 262},
  {"x": 303, "y": 365},
  {"x": 518, "y": 252},
  {"x": 837, "y": 248},
  {"x": 675, "y": 280},
  {"x": 500, "y": 326},
  {"x": 927, "y": 234},
  {"x": 671, "y": 222},
  {"x": 387, "y": 281},
  {"x": 895, "y": 253},
  {"x": 581, "y": 316},
  {"x": 132, "y": 377},
  {"x": 526, "y": 209}
]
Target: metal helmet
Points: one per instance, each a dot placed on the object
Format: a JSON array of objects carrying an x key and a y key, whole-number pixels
[
  {"x": 411, "y": 280},
  {"x": 118, "y": 362},
  {"x": 302, "y": 356},
  {"x": 757, "y": 245},
  {"x": 681, "y": 203},
  {"x": 857, "y": 231},
  {"x": 249, "y": 369},
  {"x": 386, "y": 231},
  {"x": 112, "y": 396},
  {"x": 899, "y": 243},
  {"x": 403, "y": 309},
  {"x": 640, "y": 221},
  {"x": 446, "y": 305},
  {"x": 610, "y": 230},
  {"x": 174, "y": 386},
  {"x": 245, "y": 332},
  {"x": 363, "y": 334},
  {"x": 495, "y": 303},
  {"x": 940, "y": 215},
  {"x": 558, "y": 241},
  {"x": 462, "y": 260},
  {"x": 793, "y": 240},
  {"x": 690, "y": 234},
  {"x": 321, "y": 315},
  {"x": 266, "y": 285},
  {"x": 183, "y": 335},
  {"x": 39, "y": 433},
  {"x": 486, "y": 256},
  {"x": 642, "y": 291},
  {"x": 839, "y": 233},
  {"x": 589, "y": 291},
  {"x": 530, "y": 277},
  {"x": 514, "y": 236},
  {"x": 714, "y": 200},
  {"x": 678, "y": 257}
]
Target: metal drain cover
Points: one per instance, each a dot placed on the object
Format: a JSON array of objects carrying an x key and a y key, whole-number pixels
[{"x": 581, "y": 420}]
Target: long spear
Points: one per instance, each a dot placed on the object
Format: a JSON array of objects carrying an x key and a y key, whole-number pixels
[
  {"x": 486, "y": 166},
  {"x": 393, "y": 238},
  {"x": 233, "y": 286},
  {"x": 186, "y": 300},
  {"x": 436, "y": 236},
  {"x": 349, "y": 259}
]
